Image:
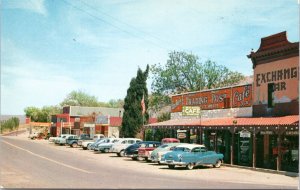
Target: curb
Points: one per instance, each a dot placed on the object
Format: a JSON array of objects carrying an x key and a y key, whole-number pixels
[{"x": 291, "y": 174}]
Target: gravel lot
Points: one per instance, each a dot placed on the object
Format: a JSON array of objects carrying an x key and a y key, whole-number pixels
[{"x": 225, "y": 174}]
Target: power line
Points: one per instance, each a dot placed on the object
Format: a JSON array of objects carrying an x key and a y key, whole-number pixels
[
  {"x": 102, "y": 20},
  {"x": 122, "y": 22}
]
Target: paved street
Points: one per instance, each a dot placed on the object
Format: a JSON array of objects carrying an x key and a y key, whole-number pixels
[{"x": 38, "y": 164}]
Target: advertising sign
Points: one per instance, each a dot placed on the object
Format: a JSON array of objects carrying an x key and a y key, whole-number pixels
[
  {"x": 242, "y": 96},
  {"x": 190, "y": 110},
  {"x": 102, "y": 119},
  {"x": 235, "y": 97},
  {"x": 245, "y": 134},
  {"x": 181, "y": 135}
]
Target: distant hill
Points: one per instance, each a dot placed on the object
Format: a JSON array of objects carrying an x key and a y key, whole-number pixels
[{"x": 22, "y": 118}]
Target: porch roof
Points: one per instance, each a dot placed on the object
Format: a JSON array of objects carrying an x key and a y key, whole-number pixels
[{"x": 261, "y": 121}]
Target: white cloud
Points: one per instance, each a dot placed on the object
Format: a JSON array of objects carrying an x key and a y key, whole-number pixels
[{"x": 36, "y": 6}]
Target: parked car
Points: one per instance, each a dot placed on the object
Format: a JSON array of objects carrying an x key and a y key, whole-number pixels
[
  {"x": 146, "y": 148},
  {"x": 87, "y": 142},
  {"x": 73, "y": 142},
  {"x": 120, "y": 146},
  {"x": 132, "y": 150},
  {"x": 56, "y": 140},
  {"x": 161, "y": 150},
  {"x": 63, "y": 139},
  {"x": 92, "y": 145},
  {"x": 106, "y": 147},
  {"x": 191, "y": 155},
  {"x": 169, "y": 140}
]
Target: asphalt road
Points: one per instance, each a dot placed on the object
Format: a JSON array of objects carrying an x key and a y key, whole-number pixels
[{"x": 37, "y": 164}]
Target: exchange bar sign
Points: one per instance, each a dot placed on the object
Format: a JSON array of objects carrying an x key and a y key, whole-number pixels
[{"x": 190, "y": 110}]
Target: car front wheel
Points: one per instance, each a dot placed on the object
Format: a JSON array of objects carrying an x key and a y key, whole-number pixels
[
  {"x": 121, "y": 153},
  {"x": 74, "y": 145},
  {"x": 190, "y": 166},
  {"x": 218, "y": 164},
  {"x": 171, "y": 166}
]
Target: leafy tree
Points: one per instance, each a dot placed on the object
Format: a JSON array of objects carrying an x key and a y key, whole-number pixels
[
  {"x": 115, "y": 103},
  {"x": 133, "y": 119},
  {"x": 43, "y": 114},
  {"x": 183, "y": 72},
  {"x": 80, "y": 98}
]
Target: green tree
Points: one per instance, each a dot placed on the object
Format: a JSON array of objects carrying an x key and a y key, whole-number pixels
[
  {"x": 80, "y": 98},
  {"x": 183, "y": 73},
  {"x": 133, "y": 119},
  {"x": 43, "y": 114}
]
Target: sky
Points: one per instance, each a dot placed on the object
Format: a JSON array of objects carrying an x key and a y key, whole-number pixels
[{"x": 52, "y": 47}]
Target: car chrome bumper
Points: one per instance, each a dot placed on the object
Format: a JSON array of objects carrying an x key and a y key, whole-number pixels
[{"x": 172, "y": 162}]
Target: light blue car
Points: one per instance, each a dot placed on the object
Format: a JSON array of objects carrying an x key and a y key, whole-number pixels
[{"x": 191, "y": 155}]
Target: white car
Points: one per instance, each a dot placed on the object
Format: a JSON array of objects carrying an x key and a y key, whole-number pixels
[
  {"x": 105, "y": 147},
  {"x": 86, "y": 143},
  {"x": 63, "y": 139},
  {"x": 53, "y": 139},
  {"x": 120, "y": 146}
]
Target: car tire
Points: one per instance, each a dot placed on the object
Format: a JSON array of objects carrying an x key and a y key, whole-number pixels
[
  {"x": 118, "y": 154},
  {"x": 190, "y": 166},
  {"x": 218, "y": 164},
  {"x": 121, "y": 154},
  {"x": 159, "y": 163},
  {"x": 106, "y": 150},
  {"x": 84, "y": 148},
  {"x": 134, "y": 158},
  {"x": 171, "y": 166},
  {"x": 74, "y": 145}
]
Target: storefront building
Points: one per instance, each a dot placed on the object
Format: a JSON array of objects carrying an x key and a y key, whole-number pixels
[{"x": 254, "y": 125}]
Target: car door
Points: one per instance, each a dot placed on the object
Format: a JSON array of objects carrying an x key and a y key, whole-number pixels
[{"x": 196, "y": 155}]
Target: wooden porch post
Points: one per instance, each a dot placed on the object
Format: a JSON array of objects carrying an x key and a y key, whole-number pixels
[
  {"x": 279, "y": 150},
  {"x": 201, "y": 134},
  {"x": 254, "y": 149},
  {"x": 231, "y": 147}
]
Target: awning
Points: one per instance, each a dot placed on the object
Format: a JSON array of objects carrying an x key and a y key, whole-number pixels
[{"x": 253, "y": 121}]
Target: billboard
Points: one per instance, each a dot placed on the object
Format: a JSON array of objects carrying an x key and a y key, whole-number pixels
[{"x": 233, "y": 97}]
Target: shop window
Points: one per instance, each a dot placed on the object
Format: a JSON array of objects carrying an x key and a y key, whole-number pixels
[{"x": 270, "y": 95}]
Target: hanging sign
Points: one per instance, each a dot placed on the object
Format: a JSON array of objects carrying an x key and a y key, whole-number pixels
[
  {"x": 190, "y": 110},
  {"x": 245, "y": 134},
  {"x": 181, "y": 135}
]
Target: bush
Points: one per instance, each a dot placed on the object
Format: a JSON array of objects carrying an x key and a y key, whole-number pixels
[{"x": 10, "y": 124}]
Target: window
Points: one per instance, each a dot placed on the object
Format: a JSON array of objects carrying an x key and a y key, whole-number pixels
[
  {"x": 197, "y": 149},
  {"x": 150, "y": 145},
  {"x": 203, "y": 149},
  {"x": 124, "y": 142},
  {"x": 271, "y": 95},
  {"x": 131, "y": 141}
]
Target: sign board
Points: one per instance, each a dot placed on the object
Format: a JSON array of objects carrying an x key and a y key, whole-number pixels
[
  {"x": 181, "y": 135},
  {"x": 266, "y": 132},
  {"x": 292, "y": 133},
  {"x": 191, "y": 110},
  {"x": 102, "y": 119},
  {"x": 245, "y": 134},
  {"x": 181, "y": 131},
  {"x": 91, "y": 125},
  {"x": 235, "y": 97}
]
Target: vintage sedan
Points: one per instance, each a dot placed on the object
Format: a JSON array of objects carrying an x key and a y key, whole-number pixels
[
  {"x": 157, "y": 154},
  {"x": 191, "y": 155}
]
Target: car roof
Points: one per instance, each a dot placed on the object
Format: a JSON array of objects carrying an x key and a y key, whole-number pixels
[
  {"x": 190, "y": 146},
  {"x": 148, "y": 142}
]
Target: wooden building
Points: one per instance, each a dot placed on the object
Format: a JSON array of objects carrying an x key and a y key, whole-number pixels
[{"x": 254, "y": 125}]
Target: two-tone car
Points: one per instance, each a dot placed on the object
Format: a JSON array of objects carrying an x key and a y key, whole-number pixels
[
  {"x": 86, "y": 143},
  {"x": 157, "y": 154},
  {"x": 191, "y": 155},
  {"x": 120, "y": 146},
  {"x": 146, "y": 148},
  {"x": 106, "y": 147},
  {"x": 63, "y": 139}
]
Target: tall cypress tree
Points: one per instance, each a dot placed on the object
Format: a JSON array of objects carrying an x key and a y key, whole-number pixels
[{"x": 133, "y": 118}]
